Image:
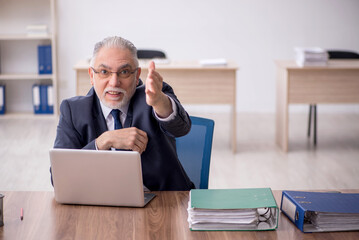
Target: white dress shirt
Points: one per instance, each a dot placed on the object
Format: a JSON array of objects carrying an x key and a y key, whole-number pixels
[{"x": 106, "y": 111}]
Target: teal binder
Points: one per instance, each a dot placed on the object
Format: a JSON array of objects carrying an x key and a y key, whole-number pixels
[{"x": 232, "y": 209}]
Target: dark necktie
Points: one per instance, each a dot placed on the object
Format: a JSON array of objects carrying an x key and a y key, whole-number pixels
[{"x": 116, "y": 116}]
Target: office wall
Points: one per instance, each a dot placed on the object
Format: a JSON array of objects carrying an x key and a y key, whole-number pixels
[{"x": 251, "y": 32}]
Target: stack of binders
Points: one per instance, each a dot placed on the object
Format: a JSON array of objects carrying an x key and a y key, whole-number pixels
[
  {"x": 311, "y": 56},
  {"x": 42, "y": 96},
  {"x": 232, "y": 209},
  {"x": 322, "y": 211},
  {"x": 2, "y": 99},
  {"x": 44, "y": 59}
]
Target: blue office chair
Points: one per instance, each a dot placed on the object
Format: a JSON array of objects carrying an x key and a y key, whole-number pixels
[{"x": 194, "y": 151}]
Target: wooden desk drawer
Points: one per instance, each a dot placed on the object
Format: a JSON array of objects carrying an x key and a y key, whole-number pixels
[{"x": 323, "y": 86}]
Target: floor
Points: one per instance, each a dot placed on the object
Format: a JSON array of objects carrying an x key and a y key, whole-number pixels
[{"x": 332, "y": 164}]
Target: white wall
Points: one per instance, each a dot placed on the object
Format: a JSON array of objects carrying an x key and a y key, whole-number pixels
[{"x": 251, "y": 32}]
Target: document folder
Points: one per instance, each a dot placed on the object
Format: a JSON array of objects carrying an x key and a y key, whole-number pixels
[
  {"x": 44, "y": 59},
  {"x": 232, "y": 209},
  {"x": 321, "y": 211},
  {"x": 42, "y": 98}
]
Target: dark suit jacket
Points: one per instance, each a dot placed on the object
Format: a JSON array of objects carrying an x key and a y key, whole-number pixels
[{"x": 81, "y": 122}]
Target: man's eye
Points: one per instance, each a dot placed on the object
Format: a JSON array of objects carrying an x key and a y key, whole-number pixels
[
  {"x": 124, "y": 71},
  {"x": 104, "y": 71}
]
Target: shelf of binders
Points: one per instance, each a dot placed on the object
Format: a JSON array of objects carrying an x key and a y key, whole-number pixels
[
  {"x": 44, "y": 99},
  {"x": 28, "y": 43},
  {"x": 42, "y": 105}
]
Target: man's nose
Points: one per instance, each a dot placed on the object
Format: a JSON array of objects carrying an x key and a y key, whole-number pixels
[{"x": 114, "y": 80}]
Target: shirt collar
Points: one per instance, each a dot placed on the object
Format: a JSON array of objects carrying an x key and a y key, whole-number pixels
[{"x": 106, "y": 111}]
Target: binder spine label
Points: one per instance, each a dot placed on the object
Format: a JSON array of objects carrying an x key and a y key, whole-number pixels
[
  {"x": 2, "y": 99},
  {"x": 1, "y": 96},
  {"x": 50, "y": 100},
  {"x": 289, "y": 208},
  {"x": 36, "y": 98},
  {"x": 36, "y": 95}
]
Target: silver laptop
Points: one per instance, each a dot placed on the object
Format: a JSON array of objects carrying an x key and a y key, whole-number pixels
[{"x": 92, "y": 177}]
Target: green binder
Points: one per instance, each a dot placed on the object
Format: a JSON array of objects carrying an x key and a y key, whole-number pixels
[{"x": 232, "y": 209}]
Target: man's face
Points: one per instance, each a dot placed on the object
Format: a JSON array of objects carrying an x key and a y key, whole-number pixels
[{"x": 115, "y": 90}]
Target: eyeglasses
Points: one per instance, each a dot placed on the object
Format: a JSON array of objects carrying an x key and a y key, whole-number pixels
[{"x": 123, "y": 73}]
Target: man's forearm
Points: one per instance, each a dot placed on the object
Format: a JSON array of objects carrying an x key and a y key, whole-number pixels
[{"x": 164, "y": 107}]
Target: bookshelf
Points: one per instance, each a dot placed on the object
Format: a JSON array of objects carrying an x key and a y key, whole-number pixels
[{"x": 19, "y": 69}]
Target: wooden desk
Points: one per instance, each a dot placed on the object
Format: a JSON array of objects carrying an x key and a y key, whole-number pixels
[
  {"x": 165, "y": 217},
  {"x": 192, "y": 83},
  {"x": 338, "y": 82}
]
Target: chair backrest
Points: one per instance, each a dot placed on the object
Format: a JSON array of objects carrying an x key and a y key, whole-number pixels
[
  {"x": 149, "y": 54},
  {"x": 335, "y": 54},
  {"x": 194, "y": 151}
]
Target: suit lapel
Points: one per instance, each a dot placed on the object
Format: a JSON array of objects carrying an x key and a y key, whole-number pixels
[
  {"x": 129, "y": 117},
  {"x": 98, "y": 118},
  {"x": 128, "y": 121}
]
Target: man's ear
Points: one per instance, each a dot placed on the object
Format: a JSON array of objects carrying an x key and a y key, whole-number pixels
[
  {"x": 138, "y": 76},
  {"x": 91, "y": 75}
]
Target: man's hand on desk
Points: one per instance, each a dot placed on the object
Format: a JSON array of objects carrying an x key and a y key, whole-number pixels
[
  {"x": 125, "y": 138},
  {"x": 154, "y": 95}
]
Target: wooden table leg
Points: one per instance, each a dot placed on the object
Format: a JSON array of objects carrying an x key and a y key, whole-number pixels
[
  {"x": 234, "y": 115},
  {"x": 234, "y": 130},
  {"x": 282, "y": 110}
]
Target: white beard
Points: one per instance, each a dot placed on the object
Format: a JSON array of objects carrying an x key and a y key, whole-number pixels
[{"x": 125, "y": 100}]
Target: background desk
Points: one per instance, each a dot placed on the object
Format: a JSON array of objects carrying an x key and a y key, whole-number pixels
[
  {"x": 165, "y": 217},
  {"x": 338, "y": 82},
  {"x": 192, "y": 83}
]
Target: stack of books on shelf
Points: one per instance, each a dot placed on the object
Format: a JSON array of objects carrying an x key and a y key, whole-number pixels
[
  {"x": 322, "y": 211},
  {"x": 232, "y": 209},
  {"x": 37, "y": 30},
  {"x": 42, "y": 96},
  {"x": 311, "y": 56}
]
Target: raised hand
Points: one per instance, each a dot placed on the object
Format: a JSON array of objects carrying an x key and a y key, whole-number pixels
[{"x": 154, "y": 95}]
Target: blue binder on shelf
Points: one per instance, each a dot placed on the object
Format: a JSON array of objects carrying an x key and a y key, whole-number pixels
[
  {"x": 2, "y": 99},
  {"x": 44, "y": 59},
  {"x": 42, "y": 98},
  {"x": 322, "y": 211}
]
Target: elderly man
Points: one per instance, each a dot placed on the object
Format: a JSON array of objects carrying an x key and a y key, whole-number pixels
[{"x": 119, "y": 112}]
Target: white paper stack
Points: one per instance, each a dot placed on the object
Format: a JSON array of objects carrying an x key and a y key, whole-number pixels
[
  {"x": 213, "y": 62},
  {"x": 37, "y": 30},
  {"x": 324, "y": 221},
  {"x": 311, "y": 56},
  {"x": 222, "y": 219}
]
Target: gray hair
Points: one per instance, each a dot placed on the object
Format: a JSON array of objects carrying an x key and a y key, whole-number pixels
[{"x": 114, "y": 42}]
